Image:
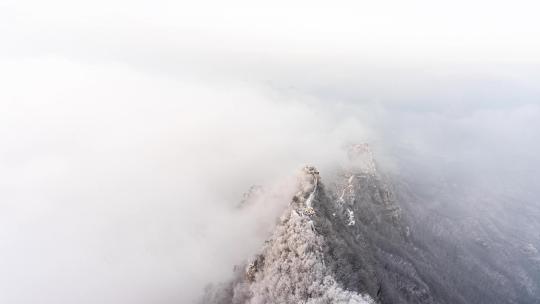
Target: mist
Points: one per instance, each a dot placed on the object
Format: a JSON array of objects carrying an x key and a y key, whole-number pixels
[{"x": 130, "y": 131}]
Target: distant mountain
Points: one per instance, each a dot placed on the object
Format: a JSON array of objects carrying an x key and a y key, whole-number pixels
[{"x": 365, "y": 237}]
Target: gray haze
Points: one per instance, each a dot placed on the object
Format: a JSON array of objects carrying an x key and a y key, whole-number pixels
[{"x": 130, "y": 130}]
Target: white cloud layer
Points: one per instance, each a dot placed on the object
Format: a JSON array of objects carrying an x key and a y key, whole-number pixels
[{"x": 128, "y": 130}]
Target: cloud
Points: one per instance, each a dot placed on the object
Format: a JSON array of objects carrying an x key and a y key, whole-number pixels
[
  {"x": 119, "y": 186},
  {"x": 130, "y": 131}
]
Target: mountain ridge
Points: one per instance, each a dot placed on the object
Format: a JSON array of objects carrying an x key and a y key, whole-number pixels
[{"x": 359, "y": 238}]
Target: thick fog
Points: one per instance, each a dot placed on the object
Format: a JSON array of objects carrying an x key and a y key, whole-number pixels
[{"x": 129, "y": 131}]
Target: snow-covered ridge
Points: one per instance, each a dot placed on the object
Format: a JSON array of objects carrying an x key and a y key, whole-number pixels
[
  {"x": 308, "y": 182},
  {"x": 360, "y": 237},
  {"x": 293, "y": 266}
]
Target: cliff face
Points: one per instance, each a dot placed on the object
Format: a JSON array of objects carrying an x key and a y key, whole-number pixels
[
  {"x": 300, "y": 262},
  {"x": 360, "y": 239},
  {"x": 319, "y": 251}
]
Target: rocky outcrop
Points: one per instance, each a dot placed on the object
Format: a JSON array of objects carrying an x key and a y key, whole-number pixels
[{"x": 363, "y": 239}]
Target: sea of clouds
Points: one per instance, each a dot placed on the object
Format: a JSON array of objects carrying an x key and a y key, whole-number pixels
[{"x": 130, "y": 130}]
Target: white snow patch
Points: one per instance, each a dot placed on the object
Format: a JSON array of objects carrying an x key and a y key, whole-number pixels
[
  {"x": 309, "y": 201},
  {"x": 352, "y": 221}
]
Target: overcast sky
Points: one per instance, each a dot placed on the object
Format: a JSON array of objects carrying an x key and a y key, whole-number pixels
[{"x": 128, "y": 129}]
